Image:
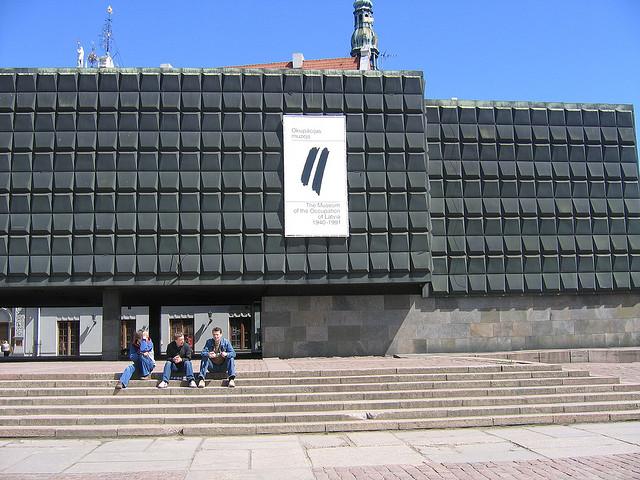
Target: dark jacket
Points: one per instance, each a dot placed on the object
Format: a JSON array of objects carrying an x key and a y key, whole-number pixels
[{"x": 184, "y": 351}]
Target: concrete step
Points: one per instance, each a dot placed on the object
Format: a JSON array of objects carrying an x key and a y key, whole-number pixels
[
  {"x": 184, "y": 396},
  {"x": 179, "y": 381},
  {"x": 144, "y": 387},
  {"x": 77, "y": 405},
  {"x": 317, "y": 416},
  {"x": 203, "y": 429},
  {"x": 222, "y": 407},
  {"x": 157, "y": 374}
]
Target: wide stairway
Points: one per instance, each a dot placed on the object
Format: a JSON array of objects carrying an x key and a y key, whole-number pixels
[{"x": 87, "y": 405}]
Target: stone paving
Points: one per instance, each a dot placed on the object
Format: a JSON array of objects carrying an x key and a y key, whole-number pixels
[
  {"x": 580, "y": 451},
  {"x": 255, "y": 365},
  {"x": 627, "y": 372}
]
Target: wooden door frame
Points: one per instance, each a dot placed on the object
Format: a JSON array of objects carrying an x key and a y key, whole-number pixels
[{"x": 69, "y": 324}]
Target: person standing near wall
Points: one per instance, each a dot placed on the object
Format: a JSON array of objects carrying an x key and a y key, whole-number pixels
[
  {"x": 6, "y": 348},
  {"x": 178, "y": 359},
  {"x": 141, "y": 354},
  {"x": 218, "y": 355}
]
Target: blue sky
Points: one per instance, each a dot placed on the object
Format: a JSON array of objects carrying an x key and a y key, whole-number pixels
[{"x": 539, "y": 50}]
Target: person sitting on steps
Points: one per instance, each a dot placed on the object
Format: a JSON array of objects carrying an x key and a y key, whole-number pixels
[
  {"x": 178, "y": 359},
  {"x": 141, "y": 354},
  {"x": 218, "y": 356}
]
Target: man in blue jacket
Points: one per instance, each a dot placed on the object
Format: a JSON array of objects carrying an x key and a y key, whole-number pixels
[{"x": 218, "y": 356}]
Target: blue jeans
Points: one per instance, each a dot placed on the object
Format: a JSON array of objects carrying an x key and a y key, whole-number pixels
[
  {"x": 170, "y": 367},
  {"x": 229, "y": 366},
  {"x": 144, "y": 365}
]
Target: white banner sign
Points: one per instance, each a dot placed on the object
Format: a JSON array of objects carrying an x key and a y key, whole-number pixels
[
  {"x": 315, "y": 176},
  {"x": 19, "y": 323}
]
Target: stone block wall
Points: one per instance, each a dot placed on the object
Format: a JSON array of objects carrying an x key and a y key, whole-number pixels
[{"x": 394, "y": 324}]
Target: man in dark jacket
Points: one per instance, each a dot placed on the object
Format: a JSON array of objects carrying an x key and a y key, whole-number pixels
[
  {"x": 218, "y": 356},
  {"x": 178, "y": 359}
]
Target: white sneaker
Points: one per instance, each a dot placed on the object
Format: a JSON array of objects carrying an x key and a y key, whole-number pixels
[
  {"x": 201, "y": 383},
  {"x": 192, "y": 384},
  {"x": 231, "y": 383},
  {"x": 163, "y": 384}
]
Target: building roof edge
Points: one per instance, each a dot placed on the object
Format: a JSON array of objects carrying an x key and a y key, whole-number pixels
[
  {"x": 524, "y": 104},
  {"x": 415, "y": 73}
]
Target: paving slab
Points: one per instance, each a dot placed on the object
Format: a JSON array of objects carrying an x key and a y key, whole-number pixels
[
  {"x": 586, "y": 450},
  {"x": 273, "y": 459},
  {"x": 357, "y": 456},
  {"x": 371, "y": 439},
  {"x": 518, "y": 435},
  {"x": 49, "y": 461},
  {"x": 477, "y": 452},
  {"x": 55, "y": 443},
  {"x": 221, "y": 460},
  {"x": 175, "y": 443},
  {"x": 11, "y": 456},
  {"x": 558, "y": 431},
  {"x": 568, "y": 442},
  {"x": 453, "y": 436},
  {"x": 323, "y": 441},
  {"x": 148, "y": 475},
  {"x": 124, "y": 445},
  {"x": 136, "y": 455},
  {"x": 610, "y": 428},
  {"x": 251, "y": 442},
  {"x": 125, "y": 467}
]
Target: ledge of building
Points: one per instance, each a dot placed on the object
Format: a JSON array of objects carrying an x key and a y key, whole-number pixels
[
  {"x": 566, "y": 355},
  {"x": 245, "y": 70},
  {"x": 453, "y": 102}
]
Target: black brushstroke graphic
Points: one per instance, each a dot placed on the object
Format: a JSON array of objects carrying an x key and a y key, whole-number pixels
[
  {"x": 308, "y": 165},
  {"x": 317, "y": 178}
]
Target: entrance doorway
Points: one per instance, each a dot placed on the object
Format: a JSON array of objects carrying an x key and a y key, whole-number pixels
[
  {"x": 6, "y": 321},
  {"x": 184, "y": 325},
  {"x": 127, "y": 327},
  {"x": 69, "y": 338},
  {"x": 240, "y": 328}
]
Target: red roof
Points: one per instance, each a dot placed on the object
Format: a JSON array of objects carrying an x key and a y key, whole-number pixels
[{"x": 347, "y": 63}]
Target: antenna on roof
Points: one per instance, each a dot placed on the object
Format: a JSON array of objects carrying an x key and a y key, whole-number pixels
[
  {"x": 107, "y": 31},
  {"x": 92, "y": 58},
  {"x": 385, "y": 56},
  {"x": 106, "y": 61},
  {"x": 107, "y": 42}
]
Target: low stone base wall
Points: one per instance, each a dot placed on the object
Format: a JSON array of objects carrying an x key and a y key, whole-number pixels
[{"x": 394, "y": 324}]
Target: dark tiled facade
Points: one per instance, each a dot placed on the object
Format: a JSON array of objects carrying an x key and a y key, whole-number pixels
[
  {"x": 172, "y": 181},
  {"x": 534, "y": 198},
  {"x": 145, "y": 176}
]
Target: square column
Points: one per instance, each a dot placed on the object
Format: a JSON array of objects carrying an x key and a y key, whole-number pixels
[{"x": 111, "y": 315}]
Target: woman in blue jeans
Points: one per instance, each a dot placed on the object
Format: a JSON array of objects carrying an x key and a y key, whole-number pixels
[{"x": 141, "y": 354}]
